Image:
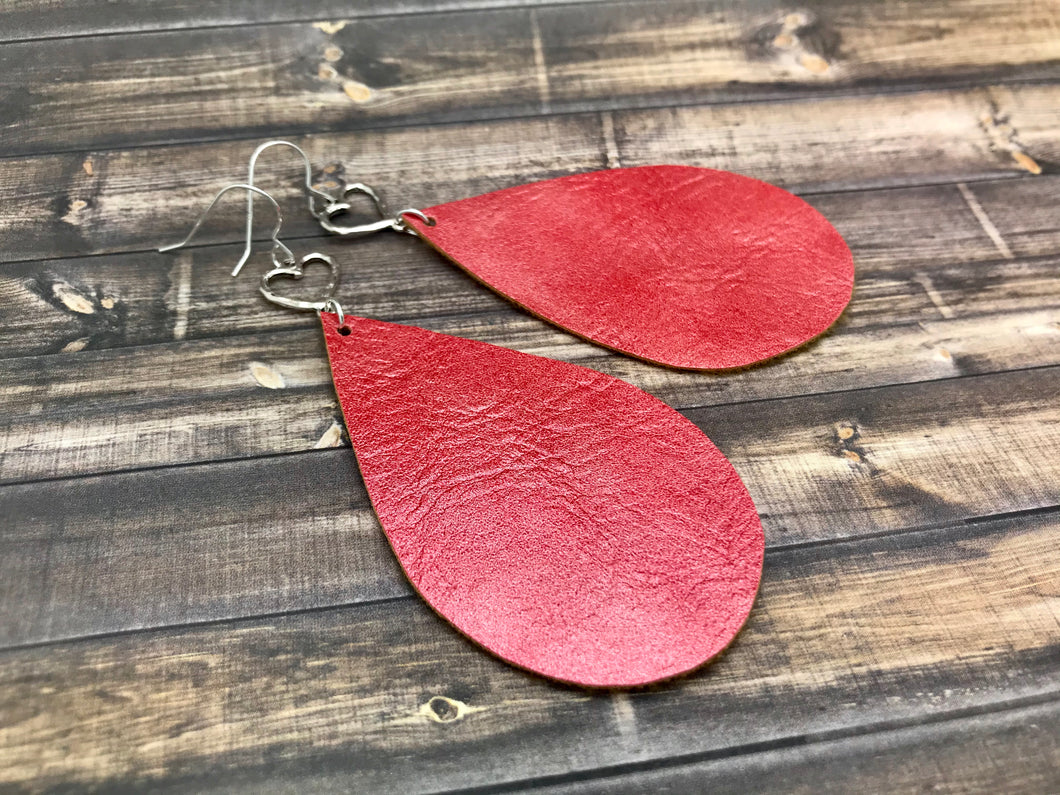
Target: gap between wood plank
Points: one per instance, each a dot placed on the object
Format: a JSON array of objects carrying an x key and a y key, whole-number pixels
[
  {"x": 925, "y": 716},
  {"x": 193, "y": 625},
  {"x": 577, "y": 109},
  {"x": 771, "y": 550},
  {"x": 974, "y": 179},
  {"x": 418, "y": 318},
  {"x": 790, "y": 741},
  {"x": 679, "y": 408},
  {"x": 396, "y": 13}
]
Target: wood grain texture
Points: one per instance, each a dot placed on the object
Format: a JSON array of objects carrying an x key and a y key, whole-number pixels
[
  {"x": 194, "y": 592},
  {"x": 267, "y": 535},
  {"x": 34, "y": 19},
  {"x": 116, "y": 409},
  {"x": 195, "y": 402},
  {"x": 105, "y": 202},
  {"x": 843, "y": 635},
  {"x": 1014, "y": 750},
  {"x": 913, "y": 248},
  {"x": 110, "y": 91}
]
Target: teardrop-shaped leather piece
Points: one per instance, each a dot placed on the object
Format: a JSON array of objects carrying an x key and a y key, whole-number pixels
[
  {"x": 563, "y": 519},
  {"x": 682, "y": 266}
]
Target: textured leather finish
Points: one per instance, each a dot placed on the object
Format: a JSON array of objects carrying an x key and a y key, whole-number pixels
[
  {"x": 564, "y": 519},
  {"x": 683, "y": 266}
]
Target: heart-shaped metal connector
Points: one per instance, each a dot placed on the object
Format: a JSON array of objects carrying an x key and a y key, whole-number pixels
[
  {"x": 296, "y": 271},
  {"x": 329, "y": 214}
]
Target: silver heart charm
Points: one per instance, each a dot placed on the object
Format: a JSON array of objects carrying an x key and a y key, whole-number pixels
[
  {"x": 337, "y": 209},
  {"x": 296, "y": 271}
]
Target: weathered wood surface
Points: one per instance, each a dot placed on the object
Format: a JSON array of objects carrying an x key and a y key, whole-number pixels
[
  {"x": 962, "y": 751},
  {"x": 921, "y": 253},
  {"x": 262, "y": 395},
  {"x": 36, "y": 19},
  {"x": 820, "y": 468},
  {"x": 101, "y": 202},
  {"x": 876, "y": 632},
  {"x": 286, "y": 78},
  {"x": 920, "y": 320},
  {"x": 194, "y": 593}
]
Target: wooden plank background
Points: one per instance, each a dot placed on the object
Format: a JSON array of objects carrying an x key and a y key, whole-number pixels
[{"x": 194, "y": 593}]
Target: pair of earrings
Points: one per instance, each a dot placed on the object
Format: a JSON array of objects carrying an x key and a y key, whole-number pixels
[{"x": 561, "y": 518}]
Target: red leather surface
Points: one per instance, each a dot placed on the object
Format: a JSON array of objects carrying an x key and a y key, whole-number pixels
[
  {"x": 683, "y": 266},
  {"x": 564, "y": 519}
]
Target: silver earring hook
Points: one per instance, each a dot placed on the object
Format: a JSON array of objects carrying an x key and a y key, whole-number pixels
[
  {"x": 283, "y": 260},
  {"x": 286, "y": 258},
  {"x": 313, "y": 194},
  {"x": 333, "y": 207}
]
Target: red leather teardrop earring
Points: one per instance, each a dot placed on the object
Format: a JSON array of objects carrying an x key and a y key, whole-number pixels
[
  {"x": 561, "y": 518},
  {"x": 681, "y": 266}
]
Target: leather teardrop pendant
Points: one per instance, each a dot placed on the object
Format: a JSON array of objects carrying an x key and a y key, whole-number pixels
[
  {"x": 682, "y": 266},
  {"x": 563, "y": 519}
]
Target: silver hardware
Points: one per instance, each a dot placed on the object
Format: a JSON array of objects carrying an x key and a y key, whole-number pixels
[
  {"x": 339, "y": 208},
  {"x": 296, "y": 271},
  {"x": 401, "y": 225},
  {"x": 313, "y": 195},
  {"x": 287, "y": 257},
  {"x": 333, "y": 304},
  {"x": 333, "y": 208},
  {"x": 396, "y": 224},
  {"x": 283, "y": 260}
]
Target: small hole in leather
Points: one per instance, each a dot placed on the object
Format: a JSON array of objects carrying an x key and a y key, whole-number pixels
[{"x": 345, "y": 330}]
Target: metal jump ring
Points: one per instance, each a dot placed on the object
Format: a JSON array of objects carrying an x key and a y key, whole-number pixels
[
  {"x": 401, "y": 225},
  {"x": 333, "y": 304}
]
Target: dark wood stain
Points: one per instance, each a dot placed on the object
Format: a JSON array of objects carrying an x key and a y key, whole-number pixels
[
  {"x": 194, "y": 592},
  {"x": 252, "y": 79}
]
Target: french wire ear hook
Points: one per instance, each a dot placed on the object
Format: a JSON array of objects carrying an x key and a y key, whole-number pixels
[
  {"x": 333, "y": 208},
  {"x": 313, "y": 194},
  {"x": 283, "y": 260},
  {"x": 277, "y": 245}
]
